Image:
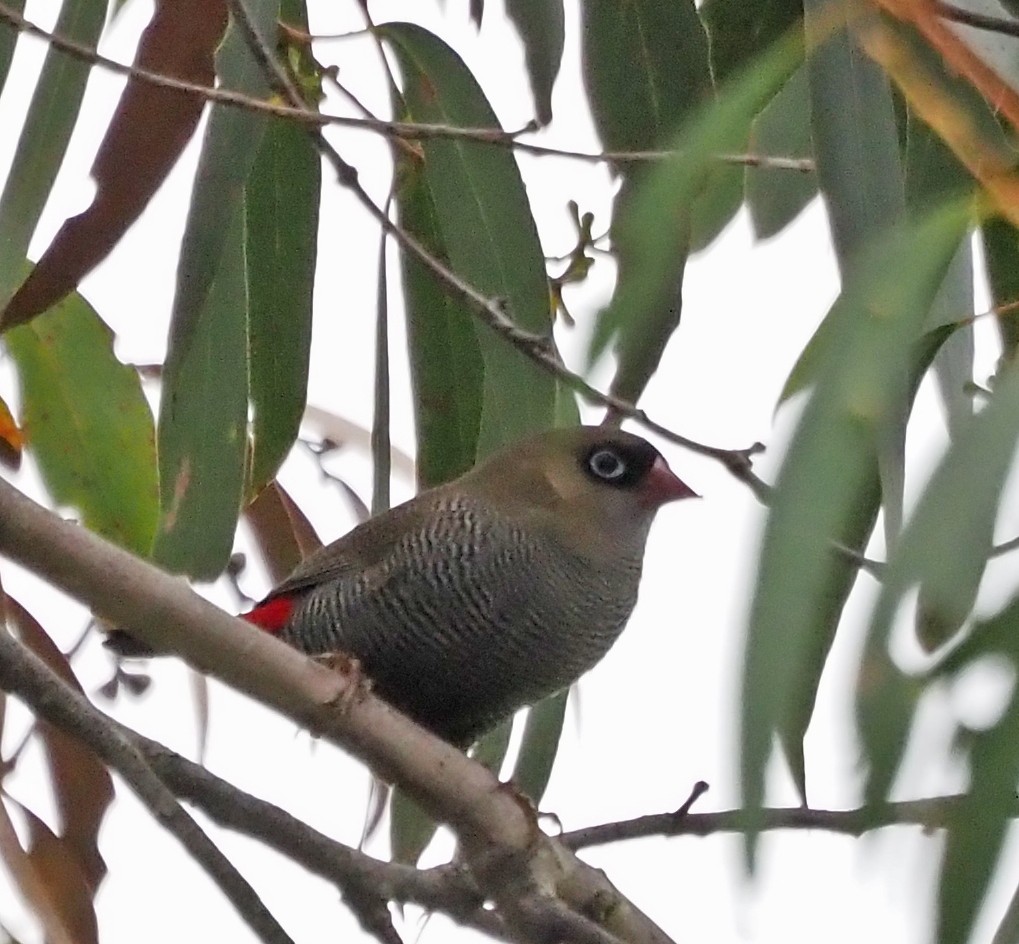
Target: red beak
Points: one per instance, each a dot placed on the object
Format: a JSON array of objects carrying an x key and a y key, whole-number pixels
[{"x": 662, "y": 485}]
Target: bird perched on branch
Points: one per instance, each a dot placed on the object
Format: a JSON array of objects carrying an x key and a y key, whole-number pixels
[{"x": 490, "y": 592}]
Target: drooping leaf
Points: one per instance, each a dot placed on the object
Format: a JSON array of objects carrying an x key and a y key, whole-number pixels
[
  {"x": 87, "y": 421},
  {"x": 410, "y": 828},
  {"x": 1001, "y": 251},
  {"x": 281, "y": 205},
  {"x": 49, "y": 878},
  {"x": 81, "y": 783},
  {"x": 542, "y": 28},
  {"x": 487, "y": 228},
  {"x": 44, "y": 138},
  {"x": 491, "y": 749},
  {"x": 202, "y": 429},
  {"x": 741, "y": 30},
  {"x": 652, "y": 225},
  {"x": 978, "y": 825},
  {"x": 944, "y": 546},
  {"x": 148, "y": 132},
  {"x": 776, "y": 196},
  {"x": 8, "y": 40},
  {"x": 203, "y": 426},
  {"x": 856, "y": 149},
  {"x": 859, "y": 171},
  {"x": 934, "y": 173},
  {"x": 283, "y": 533},
  {"x": 381, "y": 441},
  {"x": 447, "y": 371},
  {"x": 827, "y": 473},
  {"x": 539, "y": 746},
  {"x": 645, "y": 70}
]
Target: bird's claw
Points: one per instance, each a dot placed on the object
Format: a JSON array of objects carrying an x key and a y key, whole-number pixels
[{"x": 350, "y": 667}]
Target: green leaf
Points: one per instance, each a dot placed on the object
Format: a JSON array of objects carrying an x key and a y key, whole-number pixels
[
  {"x": 491, "y": 749},
  {"x": 447, "y": 372},
  {"x": 203, "y": 425},
  {"x": 229, "y": 147},
  {"x": 653, "y": 227},
  {"x": 88, "y": 422},
  {"x": 776, "y": 197},
  {"x": 51, "y": 116},
  {"x": 827, "y": 474},
  {"x": 202, "y": 430},
  {"x": 856, "y": 153},
  {"x": 540, "y": 745},
  {"x": 828, "y": 612},
  {"x": 8, "y": 40},
  {"x": 639, "y": 351},
  {"x": 410, "y": 828},
  {"x": 645, "y": 70},
  {"x": 281, "y": 204},
  {"x": 381, "y": 440},
  {"x": 944, "y": 547},
  {"x": 741, "y": 30},
  {"x": 977, "y": 826},
  {"x": 1001, "y": 251},
  {"x": 855, "y": 137},
  {"x": 486, "y": 225},
  {"x": 933, "y": 175},
  {"x": 542, "y": 28}
]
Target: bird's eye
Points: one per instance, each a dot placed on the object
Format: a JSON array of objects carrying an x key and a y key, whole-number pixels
[{"x": 607, "y": 465}]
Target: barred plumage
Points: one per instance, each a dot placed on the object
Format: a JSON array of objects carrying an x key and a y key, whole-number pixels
[
  {"x": 488, "y": 593},
  {"x": 453, "y": 625},
  {"x": 492, "y": 592}
]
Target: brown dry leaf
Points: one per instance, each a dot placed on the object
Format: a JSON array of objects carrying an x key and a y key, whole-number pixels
[
  {"x": 81, "y": 784},
  {"x": 48, "y": 884},
  {"x": 283, "y": 533},
  {"x": 11, "y": 439},
  {"x": 147, "y": 134}
]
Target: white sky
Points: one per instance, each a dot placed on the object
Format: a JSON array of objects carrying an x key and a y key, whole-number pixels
[{"x": 660, "y": 712}]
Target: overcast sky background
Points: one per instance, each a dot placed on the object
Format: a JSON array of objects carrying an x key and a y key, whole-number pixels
[{"x": 660, "y": 712}]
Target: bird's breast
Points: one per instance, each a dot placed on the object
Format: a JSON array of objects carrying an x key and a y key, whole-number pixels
[{"x": 471, "y": 618}]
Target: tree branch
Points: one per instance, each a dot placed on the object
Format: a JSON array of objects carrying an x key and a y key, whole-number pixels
[
  {"x": 930, "y": 813},
  {"x": 993, "y": 24},
  {"x": 25, "y": 675}
]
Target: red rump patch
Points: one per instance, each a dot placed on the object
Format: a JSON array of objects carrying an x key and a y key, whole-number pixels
[{"x": 272, "y": 615}]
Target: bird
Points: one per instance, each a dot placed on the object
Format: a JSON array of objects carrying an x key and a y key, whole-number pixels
[{"x": 490, "y": 592}]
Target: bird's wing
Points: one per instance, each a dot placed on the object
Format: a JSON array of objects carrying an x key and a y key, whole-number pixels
[{"x": 364, "y": 547}]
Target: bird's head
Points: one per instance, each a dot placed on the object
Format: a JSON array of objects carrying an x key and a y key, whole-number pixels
[{"x": 589, "y": 485}]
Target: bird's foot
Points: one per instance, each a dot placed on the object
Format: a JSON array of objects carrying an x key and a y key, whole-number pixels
[{"x": 350, "y": 668}]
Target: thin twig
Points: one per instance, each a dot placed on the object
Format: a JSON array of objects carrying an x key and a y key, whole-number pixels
[
  {"x": 993, "y": 24},
  {"x": 399, "y": 129},
  {"x": 931, "y": 813},
  {"x": 24, "y": 675}
]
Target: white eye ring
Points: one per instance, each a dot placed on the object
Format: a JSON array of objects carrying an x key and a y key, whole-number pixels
[{"x": 607, "y": 465}]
